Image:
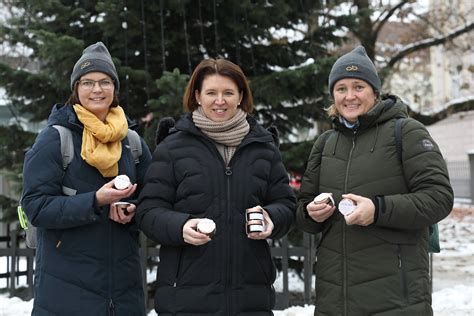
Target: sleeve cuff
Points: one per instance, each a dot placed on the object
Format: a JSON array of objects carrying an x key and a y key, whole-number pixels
[{"x": 378, "y": 203}]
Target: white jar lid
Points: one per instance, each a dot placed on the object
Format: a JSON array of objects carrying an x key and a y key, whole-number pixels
[
  {"x": 323, "y": 197},
  {"x": 346, "y": 206},
  {"x": 206, "y": 226},
  {"x": 121, "y": 182}
]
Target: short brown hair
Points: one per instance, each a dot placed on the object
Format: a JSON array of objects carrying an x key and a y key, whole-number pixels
[
  {"x": 74, "y": 97},
  {"x": 220, "y": 67}
]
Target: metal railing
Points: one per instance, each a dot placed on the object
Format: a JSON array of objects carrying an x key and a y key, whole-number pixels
[{"x": 280, "y": 251}]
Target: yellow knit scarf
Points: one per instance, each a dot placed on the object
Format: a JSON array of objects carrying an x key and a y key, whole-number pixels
[{"x": 101, "y": 141}]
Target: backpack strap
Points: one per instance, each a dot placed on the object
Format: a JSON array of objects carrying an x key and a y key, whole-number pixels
[
  {"x": 67, "y": 146},
  {"x": 433, "y": 229},
  {"x": 399, "y": 139},
  {"x": 135, "y": 145}
]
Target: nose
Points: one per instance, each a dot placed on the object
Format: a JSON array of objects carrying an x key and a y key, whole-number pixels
[
  {"x": 350, "y": 94},
  {"x": 220, "y": 99},
  {"x": 96, "y": 87}
]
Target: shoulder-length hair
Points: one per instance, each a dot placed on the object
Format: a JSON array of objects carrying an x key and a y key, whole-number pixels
[{"x": 220, "y": 67}]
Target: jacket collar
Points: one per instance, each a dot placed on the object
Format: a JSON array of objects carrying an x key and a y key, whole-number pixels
[{"x": 387, "y": 108}]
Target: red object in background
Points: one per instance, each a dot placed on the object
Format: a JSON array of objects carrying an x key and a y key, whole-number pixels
[{"x": 295, "y": 180}]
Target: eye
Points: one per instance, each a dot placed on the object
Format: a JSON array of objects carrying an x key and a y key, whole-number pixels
[
  {"x": 210, "y": 93},
  {"x": 341, "y": 89},
  {"x": 359, "y": 88},
  {"x": 106, "y": 84},
  {"x": 229, "y": 93},
  {"x": 87, "y": 83}
]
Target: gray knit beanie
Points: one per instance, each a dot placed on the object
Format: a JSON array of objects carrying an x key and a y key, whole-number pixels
[
  {"x": 355, "y": 64},
  {"x": 95, "y": 57}
]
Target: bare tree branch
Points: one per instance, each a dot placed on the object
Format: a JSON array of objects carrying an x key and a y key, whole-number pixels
[
  {"x": 379, "y": 23},
  {"x": 425, "y": 44}
]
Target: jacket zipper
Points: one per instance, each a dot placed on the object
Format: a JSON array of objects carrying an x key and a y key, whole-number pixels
[
  {"x": 344, "y": 260},
  {"x": 111, "y": 308},
  {"x": 403, "y": 280},
  {"x": 178, "y": 267},
  {"x": 228, "y": 274}
]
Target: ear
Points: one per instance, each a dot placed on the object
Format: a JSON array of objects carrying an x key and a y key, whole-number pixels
[
  {"x": 241, "y": 97},
  {"x": 197, "y": 95}
]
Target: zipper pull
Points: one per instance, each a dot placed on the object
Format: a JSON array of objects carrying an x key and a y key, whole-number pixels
[
  {"x": 111, "y": 307},
  {"x": 228, "y": 171}
]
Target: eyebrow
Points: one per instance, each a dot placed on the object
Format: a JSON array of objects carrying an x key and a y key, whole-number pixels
[{"x": 104, "y": 78}]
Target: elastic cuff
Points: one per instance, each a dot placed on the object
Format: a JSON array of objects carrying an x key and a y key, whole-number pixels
[
  {"x": 377, "y": 200},
  {"x": 97, "y": 208}
]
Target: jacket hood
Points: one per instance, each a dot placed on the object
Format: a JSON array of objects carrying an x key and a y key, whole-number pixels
[{"x": 390, "y": 107}]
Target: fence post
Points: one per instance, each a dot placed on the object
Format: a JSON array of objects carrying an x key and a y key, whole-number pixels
[
  {"x": 471, "y": 176},
  {"x": 308, "y": 266},
  {"x": 14, "y": 246},
  {"x": 30, "y": 258},
  {"x": 144, "y": 258},
  {"x": 285, "y": 262}
]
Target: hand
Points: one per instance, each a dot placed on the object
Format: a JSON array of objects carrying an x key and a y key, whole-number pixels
[
  {"x": 268, "y": 224},
  {"x": 107, "y": 194},
  {"x": 121, "y": 214},
  {"x": 192, "y": 236},
  {"x": 319, "y": 212},
  {"x": 363, "y": 215}
]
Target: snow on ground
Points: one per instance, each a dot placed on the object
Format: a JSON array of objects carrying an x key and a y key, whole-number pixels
[{"x": 453, "y": 286}]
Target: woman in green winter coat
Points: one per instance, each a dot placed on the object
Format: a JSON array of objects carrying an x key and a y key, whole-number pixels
[{"x": 372, "y": 259}]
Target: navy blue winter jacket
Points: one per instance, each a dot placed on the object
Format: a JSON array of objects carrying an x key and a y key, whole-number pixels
[
  {"x": 231, "y": 274},
  {"x": 86, "y": 264}
]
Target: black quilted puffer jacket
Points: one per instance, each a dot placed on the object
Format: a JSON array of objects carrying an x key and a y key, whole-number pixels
[{"x": 231, "y": 274}]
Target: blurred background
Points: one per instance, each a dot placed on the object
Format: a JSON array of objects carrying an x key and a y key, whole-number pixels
[{"x": 422, "y": 49}]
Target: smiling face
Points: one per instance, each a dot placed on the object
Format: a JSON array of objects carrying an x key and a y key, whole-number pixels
[
  {"x": 353, "y": 97},
  {"x": 97, "y": 100},
  {"x": 219, "y": 97}
]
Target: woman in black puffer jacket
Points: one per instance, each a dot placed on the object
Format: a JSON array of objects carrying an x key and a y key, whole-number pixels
[{"x": 216, "y": 163}]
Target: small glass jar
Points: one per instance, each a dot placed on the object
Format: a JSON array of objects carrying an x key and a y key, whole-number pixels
[
  {"x": 206, "y": 226},
  {"x": 324, "y": 198},
  {"x": 254, "y": 220},
  {"x": 121, "y": 182},
  {"x": 346, "y": 206}
]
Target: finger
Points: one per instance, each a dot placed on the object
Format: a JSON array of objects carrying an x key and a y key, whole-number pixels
[
  {"x": 130, "y": 190},
  {"x": 350, "y": 219},
  {"x": 115, "y": 217}
]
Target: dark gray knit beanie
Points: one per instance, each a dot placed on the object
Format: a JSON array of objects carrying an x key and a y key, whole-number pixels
[
  {"x": 95, "y": 57},
  {"x": 355, "y": 64}
]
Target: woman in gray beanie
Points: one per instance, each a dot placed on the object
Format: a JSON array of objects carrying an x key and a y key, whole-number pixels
[
  {"x": 87, "y": 260},
  {"x": 370, "y": 202}
]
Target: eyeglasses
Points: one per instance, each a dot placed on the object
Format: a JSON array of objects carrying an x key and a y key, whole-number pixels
[{"x": 89, "y": 84}]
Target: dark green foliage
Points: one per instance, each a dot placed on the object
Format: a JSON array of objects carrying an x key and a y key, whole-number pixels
[
  {"x": 149, "y": 38},
  {"x": 156, "y": 45},
  {"x": 13, "y": 143}
]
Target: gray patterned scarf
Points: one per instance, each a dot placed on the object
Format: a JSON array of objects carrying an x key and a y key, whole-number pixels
[{"x": 229, "y": 133}]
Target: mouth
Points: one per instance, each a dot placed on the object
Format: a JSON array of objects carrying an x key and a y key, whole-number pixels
[
  {"x": 219, "y": 111},
  {"x": 352, "y": 106},
  {"x": 97, "y": 99}
]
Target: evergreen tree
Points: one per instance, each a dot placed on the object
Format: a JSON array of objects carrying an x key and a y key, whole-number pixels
[
  {"x": 148, "y": 38},
  {"x": 280, "y": 45}
]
